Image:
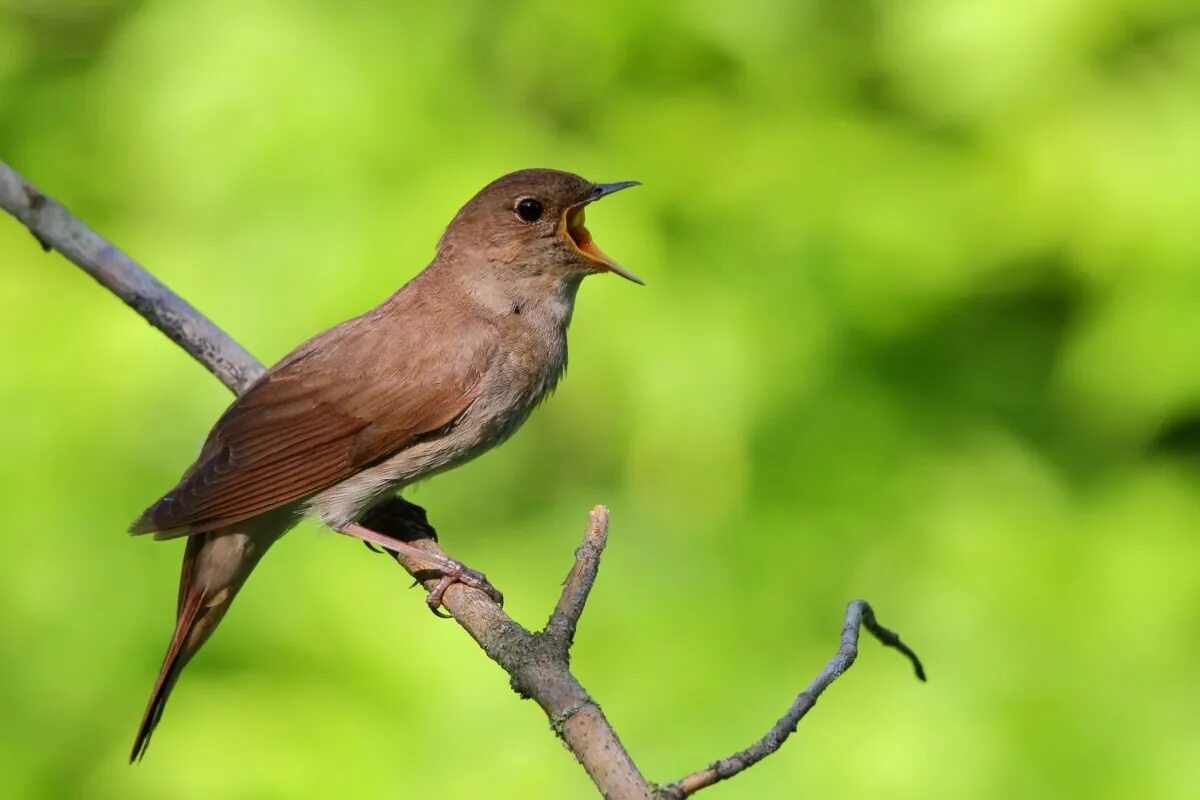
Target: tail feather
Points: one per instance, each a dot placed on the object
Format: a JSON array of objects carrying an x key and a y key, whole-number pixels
[
  {"x": 210, "y": 576},
  {"x": 215, "y": 565},
  {"x": 178, "y": 653}
]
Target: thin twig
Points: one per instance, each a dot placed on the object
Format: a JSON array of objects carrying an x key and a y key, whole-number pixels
[
  {"x": 858, "y": 615},
  {"x": 538, "y": 664},
  {"x": 578, "y": 585}
]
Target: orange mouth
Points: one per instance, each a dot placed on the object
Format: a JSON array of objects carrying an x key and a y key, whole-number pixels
[{"x": 581, "y": 237}]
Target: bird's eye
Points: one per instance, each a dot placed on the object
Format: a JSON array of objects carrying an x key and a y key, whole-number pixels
[{"x": 529, "y": 210}]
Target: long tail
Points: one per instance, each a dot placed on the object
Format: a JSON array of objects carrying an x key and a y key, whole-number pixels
[
  {"x": 178, "y": 654},
  {"x": 215, "y": 565}
]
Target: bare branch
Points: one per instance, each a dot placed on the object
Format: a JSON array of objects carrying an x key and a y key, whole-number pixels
[
  {"x": 537, "y": 664},
  {"x": 578, "y": 585},
  {"x": 55, "y": 227},
  {"x": 858, "y": 615}
]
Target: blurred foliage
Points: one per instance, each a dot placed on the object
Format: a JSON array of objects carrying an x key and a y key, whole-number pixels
[{"x": 921, "y": 326}]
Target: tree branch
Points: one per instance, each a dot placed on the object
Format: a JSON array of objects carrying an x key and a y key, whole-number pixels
[
  {"x": 536, "y": 662},
  {"x": 858, "y": 615},
  {"x": 578, "y": 585},
  {"x": 54, "y": 227}
]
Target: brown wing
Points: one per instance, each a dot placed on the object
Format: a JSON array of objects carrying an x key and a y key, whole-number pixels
[{"x": 346, "y": 399}]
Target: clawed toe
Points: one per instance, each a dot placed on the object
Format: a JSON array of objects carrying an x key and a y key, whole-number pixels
[
  {"x": 465, "y": 576},
  {"x": 477, "y": 580}
]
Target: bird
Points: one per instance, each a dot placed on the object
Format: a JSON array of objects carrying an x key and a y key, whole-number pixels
[{"x": 446, "y": 368}]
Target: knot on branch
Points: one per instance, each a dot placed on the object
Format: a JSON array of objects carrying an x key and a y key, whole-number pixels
[
  {"x": 531, "y": 659},
  {"x": 559, "y": 720}
]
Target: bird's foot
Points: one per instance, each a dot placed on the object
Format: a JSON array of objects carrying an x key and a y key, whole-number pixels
[
  {"x": 452, "y": 571},
  {"x": 467, "y": 577}
]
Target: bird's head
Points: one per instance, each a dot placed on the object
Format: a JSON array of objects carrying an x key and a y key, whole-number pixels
[{"x": 531, "y": 223}]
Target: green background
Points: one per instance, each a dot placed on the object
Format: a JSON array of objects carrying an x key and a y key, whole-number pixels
[{"x": 921, "y": 326}]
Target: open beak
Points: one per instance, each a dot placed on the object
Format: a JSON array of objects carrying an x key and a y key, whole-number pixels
[{"x": 582, "y": 239}]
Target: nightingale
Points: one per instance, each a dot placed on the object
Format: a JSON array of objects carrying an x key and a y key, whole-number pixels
[{"x": 443, "y": 370}]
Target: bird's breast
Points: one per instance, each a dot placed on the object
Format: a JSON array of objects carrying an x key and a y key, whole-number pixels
[
  {"x": 524, "y": 372},
  {"x": 526, "y": 369}
]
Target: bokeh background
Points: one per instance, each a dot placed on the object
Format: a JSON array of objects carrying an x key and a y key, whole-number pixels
[{"x": 922, "y": 325}]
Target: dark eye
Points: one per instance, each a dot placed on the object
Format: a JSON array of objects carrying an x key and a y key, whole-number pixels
[{"x": 529, "y": 210}]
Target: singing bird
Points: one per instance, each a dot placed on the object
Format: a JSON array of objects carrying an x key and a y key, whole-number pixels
[{"x": 446, "y": 368}]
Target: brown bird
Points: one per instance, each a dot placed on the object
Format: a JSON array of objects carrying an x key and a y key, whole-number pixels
[{"x": 446, "y": 368}]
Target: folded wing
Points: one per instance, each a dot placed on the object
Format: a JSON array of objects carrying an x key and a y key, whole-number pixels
[{"x": 343, "y": 401}]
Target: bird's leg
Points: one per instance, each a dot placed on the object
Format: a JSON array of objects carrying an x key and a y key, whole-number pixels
[{"x": 452, "y": 571}]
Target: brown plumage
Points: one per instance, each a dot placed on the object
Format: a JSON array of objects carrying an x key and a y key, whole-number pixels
[{"x": 444, "y": 369}]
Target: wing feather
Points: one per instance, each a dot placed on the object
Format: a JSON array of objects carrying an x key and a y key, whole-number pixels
[{"x": 346, "y": 399}]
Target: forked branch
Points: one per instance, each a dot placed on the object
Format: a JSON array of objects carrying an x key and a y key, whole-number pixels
[
  {"x": 858, "y": 616},
  {"x": 538, "y": 664}
]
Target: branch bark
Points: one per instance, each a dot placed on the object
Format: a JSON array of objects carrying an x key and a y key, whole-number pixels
[{"x": 538, "y": 663}]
